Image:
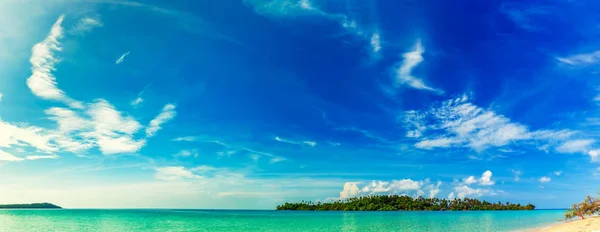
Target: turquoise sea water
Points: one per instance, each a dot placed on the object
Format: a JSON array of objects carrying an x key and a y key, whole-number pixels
[{"x": 280, "y": 221}]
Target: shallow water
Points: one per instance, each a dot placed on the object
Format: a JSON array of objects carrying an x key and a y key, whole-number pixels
[{"x": 244, "y": 220}]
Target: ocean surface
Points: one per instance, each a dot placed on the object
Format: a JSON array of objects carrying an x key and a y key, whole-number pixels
[{"x": 245, "y": 220}]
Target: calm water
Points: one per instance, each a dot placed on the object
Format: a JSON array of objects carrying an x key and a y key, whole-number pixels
[{"x": 225, "y": 220}]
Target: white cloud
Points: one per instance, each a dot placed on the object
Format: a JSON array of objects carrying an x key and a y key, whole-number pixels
[
  {"x": 304, "y": 8},
  {"x": 309, "y": 143},
  {"x": 486, "y": 178},
  {"x": 113, "y": 131},
  {"x": 122, "y": 58},
  {"x": 37, "y": 157},
  {"x": 42, "y": 82},
  {"x": 581, "y": 59},
  {"x": 594, "y": 155},
  {"x": 451, "y": 196},
  {"x": 375, "y": 42},
  {"x": 137, "y": 101},
  {"x": 459, "y": 123},
  {"x": 4, "y": 156},
  {"x": 276, "y": 160},
  {"x": 435, "y": 143},
  {"x": 1, "y": 97},
  {"x": 469, "y": 180},
  {"x": 24, "y": 135},
  {"x": 305, "y": 4},
  {"x": 378, "y": 187},
  {"x": 574, "y": 146},
  {"x": 558, "y": 173},
  {"x": 545, "y": 179},
  {"x": 463, "y": 191},
  {"x": 86, "y": 25},
  {"x": 174, "y": 173},
  {"x": 517, "y": 174},
  {"x": 167, "y": 114},
  {"x": 403, "y": 73},
  {"x": 186, "y": 139},
  {"x": 188, "y": 153}
]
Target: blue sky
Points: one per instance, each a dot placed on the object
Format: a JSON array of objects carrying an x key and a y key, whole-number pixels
[{"x": 251, "y": 103}]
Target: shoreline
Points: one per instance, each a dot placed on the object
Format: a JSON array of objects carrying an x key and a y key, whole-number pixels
[{"x": 588, "y": 224}]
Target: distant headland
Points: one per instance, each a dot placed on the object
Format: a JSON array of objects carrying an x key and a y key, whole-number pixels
[
  {"x": 403, "y": 203},
  {"x": 30, "y": 206}
]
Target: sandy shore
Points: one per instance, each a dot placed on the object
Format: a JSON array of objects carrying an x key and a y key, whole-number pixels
[{"x": 587, "y": 225}]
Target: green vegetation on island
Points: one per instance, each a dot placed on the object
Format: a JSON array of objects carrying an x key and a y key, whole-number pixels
[
  {"x": 588, "y": 207},
  {"x": 404, "y": 203},
  {"x": 31, "y": 206}
]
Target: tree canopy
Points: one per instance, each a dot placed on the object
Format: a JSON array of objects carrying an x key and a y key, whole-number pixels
[{"x": 396, "y": 203}]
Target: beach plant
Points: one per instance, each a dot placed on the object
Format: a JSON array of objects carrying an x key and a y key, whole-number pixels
[{"x": 588, "y": 207}]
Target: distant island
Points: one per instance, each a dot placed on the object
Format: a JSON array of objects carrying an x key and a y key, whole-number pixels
[
  {"x": 403, "y": 203},
  {"x": 30, "y": 206}
]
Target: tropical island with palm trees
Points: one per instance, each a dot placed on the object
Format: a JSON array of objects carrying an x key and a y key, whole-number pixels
[{"x": 403, "y": 203}]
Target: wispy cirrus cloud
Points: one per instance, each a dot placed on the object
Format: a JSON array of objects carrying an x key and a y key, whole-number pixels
[
  {"x": 43, "y": 61},
  {"x": 186, "y": 139},
  {"x": 139, "y": 99},
  {"x": 403, "y": 72},
  {"x": 459, "y": 123},
  {"x": 309, "y": 143},
  {"x": 581, "y": 59},
  {"x": 167, "y": 113},
  {"x": 86, "y": 25},
  {"x": 122, "y": 58},
  {"x": 305, "y": 8}
]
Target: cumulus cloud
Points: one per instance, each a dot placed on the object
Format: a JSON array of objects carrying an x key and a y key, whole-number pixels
[
  {"x": 403, "y": 72},
  {"x": 378, "y": 187},
  {"x": 122, "y": 58},
  {"x": 459, "y": 123},
  {"x": 545, "y": 179},
  {"x": 486, "y": 179},
  {"x": 469, "y": 180},
  {"x": 462, "y": 188},
  {"x": 86, "y": 25},
  {"x": 463, "y": 191},
  {"x": 43, "y": 61},
  {"x": 168, "y": 113}
]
